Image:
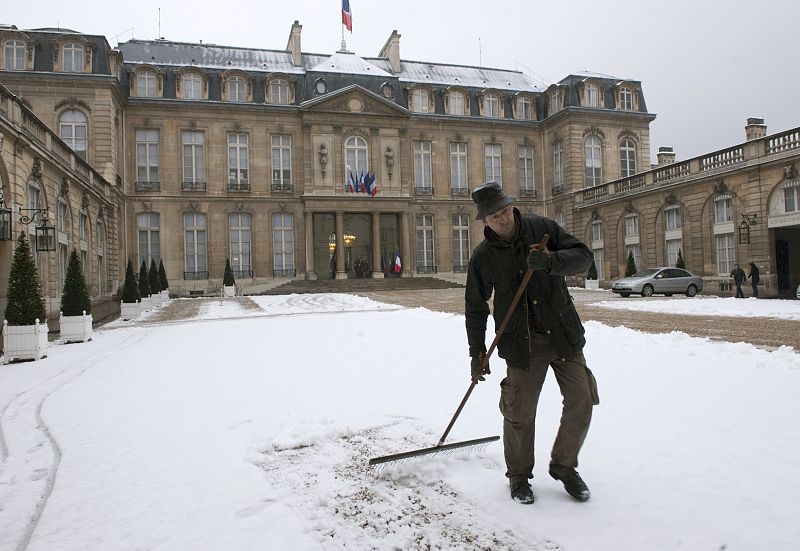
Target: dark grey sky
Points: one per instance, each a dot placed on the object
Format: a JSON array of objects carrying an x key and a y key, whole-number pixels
[{"x": 705, "y": 66}]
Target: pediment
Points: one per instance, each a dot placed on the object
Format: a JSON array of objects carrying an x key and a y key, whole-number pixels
[{"x": 353, "y": 100}]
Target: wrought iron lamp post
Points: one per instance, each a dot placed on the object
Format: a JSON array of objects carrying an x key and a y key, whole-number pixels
[
  {"x": 744, "y": 227},
  {"x": 5, "y": 218},
  {"x": 45, "y": 232}
]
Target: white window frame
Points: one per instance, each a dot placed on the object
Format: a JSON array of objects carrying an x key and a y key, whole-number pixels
[
  {"x": 599, "y": 256},
  {"x": 238, "y": 161},
  {"x": 420, "y": 100},
  {"x": 72, "y": 57},
  {"x": 627, "y": 158},
  {"x": 456, "y": 103},
  {"x": 631, "y": 225},
  {"x": 240, "y": 243},
  {"x": 148, "y": 227},
  {"x": 423, "y": 165},
  {"x": 525, "y": 168},
  {"x": 491, "y": 105},
  {"x": 558, "y": 166},
  {"x": 561, "y": 219},
  {"x": 791, "y": 197},
  {"x": 283, "y": 242},
  {"x": 593, "y": 160},
  {"x": 672, "y": 246},
  {"x": 425, "y": 242},
  {"x": 458, "y": 167},
  {"x": 195, "y": 243},
  {"x": 281, "y": 161},
  {"x": 461, "y": 247},
  {"x": 523, "y": 109},
  {"x": 626, "y": 99},
  {"x": 592, "y": 95},
  {"x": 146, "y": 84},
  {"x": 597, "y": 234},
  {"x": 193, "y": 154},
  {"x": 192, "y": 86},
  {"x": 672, "y": 218},
  {"x": 279, "y": 92},
  {"x": 356, "y": 157},
  {"x": 637, "y": 254},
  {"x": 237, "y": 89},
  {"x": 726, "y": 253},
  {"x": 493, "y": 163},
  {"x": 723, "y": 210},
  {"x": 73, "y": 129},
  {"x": 147, "y": 145},
  {"x": 555, "y": 102},
  {"x": 100, "y": 253},
  {"x": 14, "y": 55}
]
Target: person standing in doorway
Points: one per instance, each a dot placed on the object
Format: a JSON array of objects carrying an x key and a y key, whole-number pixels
[
  {"x": 544, "y": 332},
  {"x": 739, "y": 278},
  {"x": 754, "y": 278}
]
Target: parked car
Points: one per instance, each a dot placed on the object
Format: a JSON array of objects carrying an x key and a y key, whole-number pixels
[{"x": 662, "y": 281}]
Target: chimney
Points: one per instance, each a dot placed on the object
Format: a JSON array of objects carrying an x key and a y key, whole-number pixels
[
  {"x": 293, "y": 46},
  {"x": 755, "y": 129},
  {"x": 665, "y": 156},
  {"x": 391, "y": 50}
]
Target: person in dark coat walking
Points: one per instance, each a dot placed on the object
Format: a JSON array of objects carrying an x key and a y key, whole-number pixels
[
  {"x": 739, "y": 278},
  {"x": 544, "y": 331},
  {"x": 754, "y": 278}
]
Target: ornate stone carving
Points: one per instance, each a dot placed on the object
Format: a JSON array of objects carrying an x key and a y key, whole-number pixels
[
  {"x": 193, "y": 125},
  {"x": 282, "y": 207},
  {"x": 101, "y": 212},
  {"x": 789, "y": 172},
  {"x": 194, "y": 206},
  {"x": 85, "y": 201},
  {"x": 64, "y": 190},
  {"x": 720, "y": 187},
  {"x": 323, "y": 158},
  {"x": 37, "y": 171},
  {"x": 239, "y": 207},
  {"x": 147, "y": 206},
  {"x": 670, "y": 199},
  {"x": 389, "y": 156}
]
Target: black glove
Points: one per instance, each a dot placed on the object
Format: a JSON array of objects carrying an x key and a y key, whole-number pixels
[
  {"x": 539, "y": 260},
  {"x": 477, "y": 370}
]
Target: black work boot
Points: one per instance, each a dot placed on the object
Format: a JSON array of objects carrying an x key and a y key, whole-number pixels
[
  {"x": 521, "y": 491},
  {"x": 573, "y": 483}
]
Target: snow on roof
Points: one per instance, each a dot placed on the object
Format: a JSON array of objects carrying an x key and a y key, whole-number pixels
[
  {"x": 348, "y": 62},
  {"x": 463, "y": 75}
]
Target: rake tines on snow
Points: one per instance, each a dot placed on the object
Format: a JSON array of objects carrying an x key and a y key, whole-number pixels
[{"x": 468, "y": 445}]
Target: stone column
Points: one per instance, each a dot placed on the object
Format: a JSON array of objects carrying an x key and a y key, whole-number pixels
[
  {"x": 311, "y": 272},
  {"x": 377, "y": 273},
  {"x": 405, "y": 246},
  {"x": 340, "y": 271}
]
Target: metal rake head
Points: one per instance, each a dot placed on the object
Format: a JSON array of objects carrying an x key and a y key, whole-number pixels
[{"x": 378, "y": 464}]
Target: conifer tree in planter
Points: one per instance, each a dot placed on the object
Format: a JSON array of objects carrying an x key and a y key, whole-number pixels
[
  {"x": 591, "y": 278},
  {"x": 144, "y": 285},
  {"x": 75, "y": 321},
  {"x": 630, "y": 267},
  {"x": 680, "y": 263},
  {"x": 162, "y": 276},
  {"x": 228, "y": 281},
  {"x": 24, "y": 327},
  {"x": 154, "y": 280},
  {"x": 129, "y": 308}
]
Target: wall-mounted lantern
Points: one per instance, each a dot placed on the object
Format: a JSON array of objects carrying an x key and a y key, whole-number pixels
[
  {"x": 45, "y": 232},
  {"x": 5, "y": 219},
  {"x": 744, "y": 227}
]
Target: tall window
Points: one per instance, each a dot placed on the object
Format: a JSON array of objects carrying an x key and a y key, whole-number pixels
[
  {"x": 238, "y": 162},
  {"x": 423, "y": 167},
  {"x": 558, "y": 167},
  {"x": 83, "y": 229},
  {"x": 561, "y": 219},
  {"x": 791, "y": 196},
  {"x": 63, "y": 238},
  {"x": 424, "y": 234},
  {"x": 100, "y": 248},
  {"x": 672, "y": 215},
  {"x": 73, "y": 130},
  {"x": 148, "y": 226},
  {"x": 597, "y": 233},
  {"x": 73, "y": 57},
  {"x": 146, "y": 84},
  {"x": 631, "y": 229},
  {"x": 355, "y": 156},
  {"x": 593, "y": 157},
  {"x": 279, "y": 92},
  {"x": 420, "y": 101},
  {"x": 673, "y": 246},
  {"x": 192, "y": 86},
  {"x": 592, "y": 96},
  {"x": 193, "y": 160},
  {"x": 631, "y": 225},
  {"x": 555, "y": 102},
  {"x": 625, "y": 99},
  {"x": 282, "y": 162},
  {"x": 636, "y": 251},
  {"x": 237, "y": 89},
  {"x": 525, "y": 169},
  {"x": 34, "y": 193},
  {"x": 283, "y": 244},
  {"x": 147, "y": 156},
  {"x": 522, "y": 108},
  {"x": 63, "y": 262},
  {"x": 723, "y": 210},
  {"x": 458, "y": 167},
  {"x": 14, "y": 55},
  {"x": 726, "y": 252},
  {"x": 491, "y": 105},
  {"x": 195, "y": 246},
  {"x": 673, "y": 235},
  {"x": 456, "y": 105},
  {"x": 240, "y": 244},
  {"x": 492, "y": 163},
  {"x": 627, "y": 158},
  {"x": 460, "y": 242}
]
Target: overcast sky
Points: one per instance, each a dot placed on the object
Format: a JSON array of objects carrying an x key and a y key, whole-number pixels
[{"x": 705, "y": 66}]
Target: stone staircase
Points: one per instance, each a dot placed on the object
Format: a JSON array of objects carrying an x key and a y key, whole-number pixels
[{"x": 301, "y": 286}]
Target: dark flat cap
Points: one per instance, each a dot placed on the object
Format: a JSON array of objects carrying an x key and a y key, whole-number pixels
[{"x": 490, "y": 198}]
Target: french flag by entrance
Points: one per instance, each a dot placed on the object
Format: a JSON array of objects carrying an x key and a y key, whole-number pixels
[
  {"x": 347, "y": 15},
  {"x": 397, "y": 264}
]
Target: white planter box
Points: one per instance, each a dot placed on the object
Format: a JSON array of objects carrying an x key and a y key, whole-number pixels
[
  {"x": 75, "y": 328},
  {"x": 24, "y": 342},
  {"x": 129, "y": 310},
  {"x": 165, "y": 295},
  {"x": 146, "y": 304},
  {"x": 591, "y": 284},
  {"x": 229, "y": 290}
]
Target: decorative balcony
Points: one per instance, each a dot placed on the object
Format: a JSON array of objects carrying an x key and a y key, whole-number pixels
[
  {"x": 426, "y": 269},
  {"x": 527, "y": 193},
  {"x": 281, "y": 186},
  {"x": 242, "y": 273},
  {"x": 195, "y": 275},
  {"x": 284, "y": 273},
  {"x": 557, "y": 189},
  {"x": 193, "y": 186},
  {"x": 460, "y": 268},
  {"x": 423, "y": 190},
  {"x": 459, "y": 191},
  {"x": 239, "y": 187},
  {"x": 147, "y": 186}
]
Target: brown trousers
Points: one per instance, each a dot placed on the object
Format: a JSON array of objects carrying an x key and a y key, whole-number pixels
[{"x": 519, "y": 396}]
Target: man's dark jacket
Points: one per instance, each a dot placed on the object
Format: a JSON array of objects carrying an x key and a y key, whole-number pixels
[{"x": 499, "y": 266}]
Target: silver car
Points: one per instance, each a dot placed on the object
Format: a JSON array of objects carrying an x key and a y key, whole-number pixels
[{"x": 662, "y": 281}]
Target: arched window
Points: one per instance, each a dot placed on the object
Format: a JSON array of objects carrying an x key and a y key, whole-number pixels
[
  {"x": 491, "y": 105},
  {"x": 356, "y": 154},
  {"x": 73, "y": 130},
  {"x": 592, "y": 153},
  {"x": 420, "y": 100},
  {"x": 73, "y": 57},
  {"x": 555, "y": 102},
  {"x": 627, "y": 158},
  {"x": 558, "y": 167},
  {"x": 522, "y": 108},
  {"x": 455, "y": 103},
  {"x": 237, "y": 89},
  {"x": 279, "y": 92},
  {"x": 14, "y": 55},
  {"x": 625, "y": 99},
  {"x": 192, "y": 86},
  {"x": 592, "y": 96},
  {"x": 146, "y": 84}
]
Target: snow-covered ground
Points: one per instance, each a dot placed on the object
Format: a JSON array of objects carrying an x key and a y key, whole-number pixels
[
  {"x": 250, "y": 429},
  {"x": 710, "y": 306}
]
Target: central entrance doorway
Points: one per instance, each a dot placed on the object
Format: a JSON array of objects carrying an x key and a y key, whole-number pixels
[{"x": 358, "y": 242}]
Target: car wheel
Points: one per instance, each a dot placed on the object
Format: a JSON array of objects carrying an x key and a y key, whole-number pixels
[
  {"x": 667, "y": 294},
  {"x": 691, "y": 291},
  {"x": 626, "y": 295},
  {"x": 647, "y": 291}
]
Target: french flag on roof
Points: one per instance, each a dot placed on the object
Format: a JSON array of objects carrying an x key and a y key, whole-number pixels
[{"x": 347, "y": 15}]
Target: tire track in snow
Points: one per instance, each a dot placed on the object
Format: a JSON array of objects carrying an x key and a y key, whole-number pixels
[
  {"x": 37, "y": 456},
  {"x": 327, "y": 481}
]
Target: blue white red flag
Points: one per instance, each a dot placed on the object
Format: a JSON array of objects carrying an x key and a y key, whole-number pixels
[
  {"x": 347, "y": 15},
  {"x": 361, "y": 186},
  {"x": 351, "y": 182},
  {"x": 372, "y": 187},
  {"x": 397, "y": 264}
]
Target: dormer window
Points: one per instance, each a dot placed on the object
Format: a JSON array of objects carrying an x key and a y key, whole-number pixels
[
  {"x": 420, "y": 100},
  {"x": 490, "y": 104},
  {"x": 14, "y": 55},
  {"x": 146, "y": 84},
  {"x": 192, "y": 84},
  {"x": 455, "y": 103},
  {"x": 626, "y": 99},
  {"x": 555, "y": 102},
  {"x": 522, "y": 108},
  {"x": 592, "y": 96},
  {"x": 237, "y": 89},
  {"x": 72, "y": 55},
  {"x": 279, "y": 92}
]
